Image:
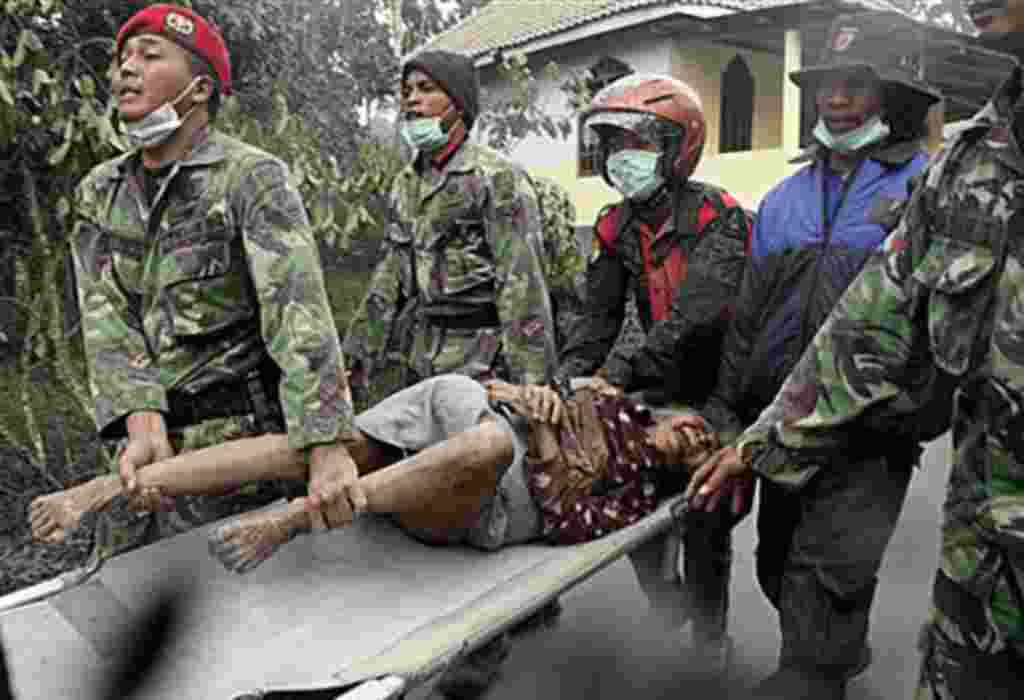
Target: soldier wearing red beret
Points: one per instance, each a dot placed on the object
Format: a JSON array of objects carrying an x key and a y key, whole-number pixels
[{"x": 205, "y": 315}]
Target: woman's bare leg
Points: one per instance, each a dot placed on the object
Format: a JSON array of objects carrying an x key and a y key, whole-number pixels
[
  {"x": 439, "y": 492},
  {"x": 209, "y": 471}
]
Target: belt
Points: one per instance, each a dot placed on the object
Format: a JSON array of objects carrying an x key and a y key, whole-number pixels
[
  {"x": 217, "y": 401},
  {"x": 483, "y": 317},
  {"x": 253, "y": 394}
]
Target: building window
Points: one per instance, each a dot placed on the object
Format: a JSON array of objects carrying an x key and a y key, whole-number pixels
[
  {"x": 604, "y": 72},
  {"x": 736, "y": 124}
]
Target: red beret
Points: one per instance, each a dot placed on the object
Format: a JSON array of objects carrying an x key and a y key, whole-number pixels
[{"x": 184, "y": 27}]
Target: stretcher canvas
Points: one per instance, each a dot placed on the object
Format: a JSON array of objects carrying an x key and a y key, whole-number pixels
[{"x": 329, "y": 610}]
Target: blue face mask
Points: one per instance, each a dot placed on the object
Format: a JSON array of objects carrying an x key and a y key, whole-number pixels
[
  {"x": 424, "y": 134},
  {"x": 634, "y": 173},
  {"x": 872, "y": 131}
]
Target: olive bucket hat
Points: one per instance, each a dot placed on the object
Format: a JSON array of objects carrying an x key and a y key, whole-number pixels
[{"x": 888, "y": 46}]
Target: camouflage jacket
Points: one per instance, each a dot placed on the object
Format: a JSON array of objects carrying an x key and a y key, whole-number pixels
[
  {"x": 714, "y": 246},
  {"x": 562, "y": 261},
  {"x": 931, "y": 334},
  {"x": 460, "y": 287},
  {"x": 196, "y": 288}
]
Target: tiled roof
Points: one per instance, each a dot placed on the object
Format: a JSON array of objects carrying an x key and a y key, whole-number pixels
[
  {"x": 503, "y": 23},
  {"x": 508, "y": 23},
  {"x": 880, "y": 5}
]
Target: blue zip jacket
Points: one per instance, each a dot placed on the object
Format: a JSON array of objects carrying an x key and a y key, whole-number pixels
[{"x": 813, "y": 233}]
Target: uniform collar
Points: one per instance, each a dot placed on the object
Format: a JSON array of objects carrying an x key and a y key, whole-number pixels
[
  {"x": 1005, "y": 112},
  {"x": 206, "y": 149},
  {"x": 463, "y": 160},
  {"x": 1005, "y": 105}
]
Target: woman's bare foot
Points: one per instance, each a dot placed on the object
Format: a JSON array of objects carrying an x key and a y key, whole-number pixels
[
  {"x": 250, "y": 539},
  {"x": 55, "y": 515}
]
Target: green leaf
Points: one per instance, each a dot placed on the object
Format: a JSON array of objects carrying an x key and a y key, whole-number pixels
[
  {"x": 5, "y": 92},
  {"x": 39, "y": 79},
  {"x": 58, "y": 155},
  {"x": 86, "y": 86},
  {"x": 282, "y": 123},
  {"x": 63, "y": 208},
  {"x": 21, "y": 51}
]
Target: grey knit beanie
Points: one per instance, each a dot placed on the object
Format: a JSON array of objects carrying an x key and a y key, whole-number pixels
[{"x": 455, "y": 73}]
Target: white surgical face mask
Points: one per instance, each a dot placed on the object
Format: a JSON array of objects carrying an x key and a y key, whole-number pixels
[
  {"x": 634, "y": 173},
  {"x": 424, "y": 134},
  {"x": 873, "y": 131},
  {"x": 159, "y": 125}
]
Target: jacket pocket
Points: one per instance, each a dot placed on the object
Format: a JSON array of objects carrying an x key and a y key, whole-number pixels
[
  {"x": 467, "y": 257},
  {"x": 205, "y": 287},
  {"x": 957, "y": 275}
]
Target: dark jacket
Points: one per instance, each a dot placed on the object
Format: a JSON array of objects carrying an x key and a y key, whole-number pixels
[
  {"x": 800, "y": 264},
  {"x": 684, "y": 282}
]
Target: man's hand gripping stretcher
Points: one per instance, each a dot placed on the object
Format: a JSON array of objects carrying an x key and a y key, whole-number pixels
[{"x": 437, "y": 492}]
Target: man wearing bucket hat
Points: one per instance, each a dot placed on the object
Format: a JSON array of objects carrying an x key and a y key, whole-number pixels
[
  {"x": 927, "y": 337},
  {"x": 678, "y": 246},
  {"x": 813, "y": 233},
  {"x": 204, "y": 311}
]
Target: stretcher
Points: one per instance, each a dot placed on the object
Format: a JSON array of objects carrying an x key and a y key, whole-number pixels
[{"x": 364, "y": 613}]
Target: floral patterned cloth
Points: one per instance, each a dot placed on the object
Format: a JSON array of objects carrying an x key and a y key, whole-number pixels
[{"x": 594, "y": 472}]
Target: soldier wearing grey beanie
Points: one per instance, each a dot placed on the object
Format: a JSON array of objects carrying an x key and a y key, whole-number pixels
[{"x": 455, "y": 73}]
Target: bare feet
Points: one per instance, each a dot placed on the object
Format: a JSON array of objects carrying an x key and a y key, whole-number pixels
[
  {"x": 55, "y": 515},
  {"x": 250, "y": 539}
]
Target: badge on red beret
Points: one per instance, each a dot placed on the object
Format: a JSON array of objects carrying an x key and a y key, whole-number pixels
[
  {"x": 180, "y": 24},
  {"x": 184, "y": 27}
]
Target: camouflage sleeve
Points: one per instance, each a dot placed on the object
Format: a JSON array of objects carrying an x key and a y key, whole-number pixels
[
  {"x": 702, "y": 304},
  {"x": 562, "y": 260},
  {"x": 870, "y": 355},
  {"x": 122, "y": 377},
  {"x": 295, "y": 315},
  {"x": 604, "y": 309},
  {"x": 524, "y": 306},
  {"x": 368, "y": 332}
]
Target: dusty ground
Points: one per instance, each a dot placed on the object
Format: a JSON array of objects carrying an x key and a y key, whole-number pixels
[{"x": 22, "y": 562}]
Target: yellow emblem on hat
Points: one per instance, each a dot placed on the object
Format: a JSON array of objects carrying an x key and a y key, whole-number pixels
[{"x": 180, "y": 24}]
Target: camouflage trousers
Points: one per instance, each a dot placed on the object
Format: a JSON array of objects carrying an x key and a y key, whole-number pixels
[{"x": 952, "y": 667}]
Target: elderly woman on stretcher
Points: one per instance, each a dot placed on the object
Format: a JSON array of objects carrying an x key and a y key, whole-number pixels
[{"x": 453, "y": 461}]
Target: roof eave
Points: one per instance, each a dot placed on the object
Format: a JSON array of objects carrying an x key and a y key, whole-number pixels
[{"x": 604, "y": 25}]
